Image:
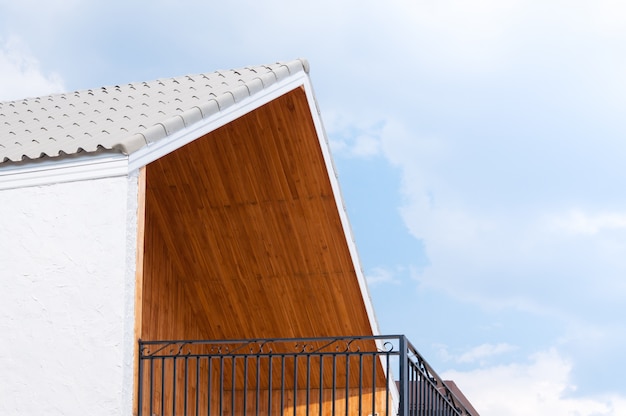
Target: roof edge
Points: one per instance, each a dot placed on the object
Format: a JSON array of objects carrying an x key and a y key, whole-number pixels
[
  {"x": 135, "y": 152},
  {"x": 69, "y": 169},
  {"x": 242, "y": 84}
]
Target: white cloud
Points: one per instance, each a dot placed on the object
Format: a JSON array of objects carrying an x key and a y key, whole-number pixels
[
  {"x": 513, "y": 260},
  {"x": 20, "y": 74},
  {"x": 481, "y": 352},
  {"x": 350, "y": 139},
  {"x": 578, "y": 222},
  {"x": 540, "y": 387},
  {"x": 480, "y": 355},
  {"x": 458, "y": 34},
  {"x": 380, "y": 275},
  {"x": 498, "y": 253},
  {"x": 365, "y": 146}
]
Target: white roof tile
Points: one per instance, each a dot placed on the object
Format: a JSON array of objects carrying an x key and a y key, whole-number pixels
[{"x": 126, "y": 117}]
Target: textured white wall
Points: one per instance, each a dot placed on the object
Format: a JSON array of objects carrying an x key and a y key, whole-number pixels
[{"x": 65, "y": 308}]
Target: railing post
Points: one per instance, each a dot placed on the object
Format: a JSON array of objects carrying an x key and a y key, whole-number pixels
[
  {"x": 403, "y": 410},
  {"x": 139, "y": 380}
]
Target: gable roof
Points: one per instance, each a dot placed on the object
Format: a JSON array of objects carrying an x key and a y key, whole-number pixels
[
  {"x": 126, "y": 117},
  {"x": 114, "y": 131}
]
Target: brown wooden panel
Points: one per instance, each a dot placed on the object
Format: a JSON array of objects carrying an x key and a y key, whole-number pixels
[
  {"x": 302, "y": 408},
  {"x": 243, "y": 238}
]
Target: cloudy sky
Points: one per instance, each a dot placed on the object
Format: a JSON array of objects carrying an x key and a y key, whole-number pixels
[{"x": 481, "y": 148}]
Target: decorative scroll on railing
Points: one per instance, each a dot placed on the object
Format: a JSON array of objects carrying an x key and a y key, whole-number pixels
[{"x": 306, "y": 376}]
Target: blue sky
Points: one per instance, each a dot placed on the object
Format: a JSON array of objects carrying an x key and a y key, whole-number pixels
[{"x": 480, "y": 147}]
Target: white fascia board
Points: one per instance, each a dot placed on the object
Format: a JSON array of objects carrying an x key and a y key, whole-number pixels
[
  {"x": 156, "y": 150},
  {"x": 105, "y": 165},
  {"x": 341, "y": 208},
  {"x": 75, "y": 168}
]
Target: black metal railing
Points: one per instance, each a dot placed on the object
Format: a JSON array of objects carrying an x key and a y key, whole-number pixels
[{"x": 304, "y": 376}]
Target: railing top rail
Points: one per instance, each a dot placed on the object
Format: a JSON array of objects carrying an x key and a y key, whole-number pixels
[
  {"x": 322, "y": 346},
  {"x": 266, "y": 340}
]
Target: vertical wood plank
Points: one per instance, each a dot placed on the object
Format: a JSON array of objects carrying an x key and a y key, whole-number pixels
[{"x": 141, "y": 205}]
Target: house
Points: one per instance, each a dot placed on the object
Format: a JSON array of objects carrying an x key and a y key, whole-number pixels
[{"x": 138, "y": 218}]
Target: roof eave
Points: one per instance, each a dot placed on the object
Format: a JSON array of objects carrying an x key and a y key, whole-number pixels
[{"x": 138, "y": 150}]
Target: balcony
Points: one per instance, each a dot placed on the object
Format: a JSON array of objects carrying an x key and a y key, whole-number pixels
[{"x": 372, "y": 375}]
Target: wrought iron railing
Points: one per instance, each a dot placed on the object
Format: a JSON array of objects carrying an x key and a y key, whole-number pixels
[{"x": 305, "y": 376}]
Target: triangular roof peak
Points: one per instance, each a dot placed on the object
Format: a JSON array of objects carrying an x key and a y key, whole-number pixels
[{"x": 126, "y": 117}]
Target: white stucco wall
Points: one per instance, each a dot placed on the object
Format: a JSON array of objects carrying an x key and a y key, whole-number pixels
[{"x": 66, "y": 298}]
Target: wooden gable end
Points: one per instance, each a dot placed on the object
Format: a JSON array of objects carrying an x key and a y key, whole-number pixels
[{"x": 243, "y": 238}]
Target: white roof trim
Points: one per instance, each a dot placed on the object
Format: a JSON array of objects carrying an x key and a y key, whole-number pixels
[
  {"x": 78, "y": 168},
  {"x": 96, "y": 166},
  {"x": 154, "y": 151},
  {"x": 341, "y": 207}
]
